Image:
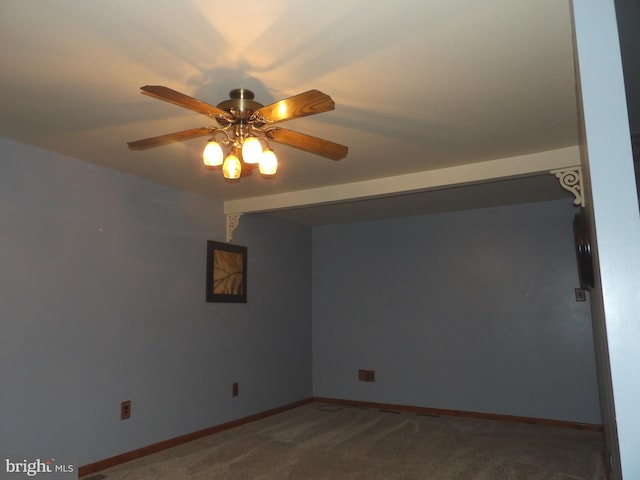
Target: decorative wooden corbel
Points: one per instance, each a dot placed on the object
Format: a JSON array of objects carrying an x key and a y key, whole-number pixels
[
  {"x": 571, "y": 180},
  {"x": 233, "y": 220}
]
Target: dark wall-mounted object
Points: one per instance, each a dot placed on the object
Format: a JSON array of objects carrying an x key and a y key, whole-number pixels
[
  {"x": 226, "y": 272},
  {"x": 635, "y": 146},
  {"x": 583, "y": 249}
]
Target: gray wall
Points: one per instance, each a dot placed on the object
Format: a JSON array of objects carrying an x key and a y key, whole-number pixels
[
  {"x": 103, "y": 301},
  {"x": 471, "y": 310}
]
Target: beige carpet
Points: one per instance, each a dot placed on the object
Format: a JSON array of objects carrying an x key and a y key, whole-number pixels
[{"x": 318, "y": 441}]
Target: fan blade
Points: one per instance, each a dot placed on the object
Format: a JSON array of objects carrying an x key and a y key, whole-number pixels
[
  {"x": 310, "y": 144},
  {"x": 168, "y": 138},
  {"x": 301, "y": 105},
  {"x": 185, "y": 101}
]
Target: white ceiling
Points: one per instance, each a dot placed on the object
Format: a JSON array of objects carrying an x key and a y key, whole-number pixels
[{"x": 418, "y": 85}]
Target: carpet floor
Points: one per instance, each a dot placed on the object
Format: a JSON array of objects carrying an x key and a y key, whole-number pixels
[{"x": 318, "y": 442}]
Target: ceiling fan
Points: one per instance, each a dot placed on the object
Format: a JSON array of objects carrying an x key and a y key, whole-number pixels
[{"x": 243, "y": 126}]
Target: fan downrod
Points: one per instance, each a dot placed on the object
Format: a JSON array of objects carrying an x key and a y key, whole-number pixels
[{"x": 241, "y": 94}]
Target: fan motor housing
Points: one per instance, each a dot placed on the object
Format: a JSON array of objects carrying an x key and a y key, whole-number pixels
[{"x": 240, "y": 104}]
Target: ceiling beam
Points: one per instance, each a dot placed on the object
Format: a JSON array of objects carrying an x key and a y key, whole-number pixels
[{"x": 491, "y": 170}]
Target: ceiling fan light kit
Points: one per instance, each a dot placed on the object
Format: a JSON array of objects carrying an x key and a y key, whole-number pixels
[
  {"x": 231, "y": 168},
  {"x": 212, "y": 156},
  {"x": 245, "y": 128},
  {"x": 252, "y": 150},
  {"x": 268, "y": 163}
]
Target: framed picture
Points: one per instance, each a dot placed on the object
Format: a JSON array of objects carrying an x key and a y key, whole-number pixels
[{"x": 226, "y": 272}]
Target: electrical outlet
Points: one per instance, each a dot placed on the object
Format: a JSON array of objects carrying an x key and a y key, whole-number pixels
[
  {"x": 234, "y": 389},
  {"x": 125, "y": 410},
  {"x": 367, "y": 375}
]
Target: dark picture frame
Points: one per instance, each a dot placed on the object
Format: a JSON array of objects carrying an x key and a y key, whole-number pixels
[
  {"x": 582, "y": 239},
  {"x": 226, "y": 272}
]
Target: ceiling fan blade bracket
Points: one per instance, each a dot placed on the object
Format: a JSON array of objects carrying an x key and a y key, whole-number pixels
[
  {"x": 257, "y": 119},
  {"x": 224, "y": 120}
]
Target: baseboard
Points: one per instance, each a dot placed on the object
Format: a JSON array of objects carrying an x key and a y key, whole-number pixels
[
  {"x": 173, "y": 442},
  {"x": 461, "y": 413}
]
